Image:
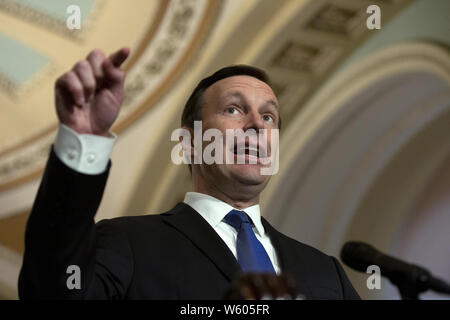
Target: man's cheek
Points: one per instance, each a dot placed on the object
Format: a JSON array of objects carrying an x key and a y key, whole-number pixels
[{"x": 272, "y": 158}]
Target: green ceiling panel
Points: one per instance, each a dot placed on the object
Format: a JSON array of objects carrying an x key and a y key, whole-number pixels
[
  {"x": 57, "y": 8},
  {"x": 19, "y": 63}
]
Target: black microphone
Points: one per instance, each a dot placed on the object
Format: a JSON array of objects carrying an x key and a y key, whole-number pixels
[{"x": 409, "y": 278}]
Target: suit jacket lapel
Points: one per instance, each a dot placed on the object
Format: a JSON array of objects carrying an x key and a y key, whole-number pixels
[
  {"x": 289, "y": 261},
  {"x": 187, "y": 221}
]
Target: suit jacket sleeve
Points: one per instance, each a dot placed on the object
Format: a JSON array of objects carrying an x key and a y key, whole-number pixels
[{"x": 61, "y": 232}]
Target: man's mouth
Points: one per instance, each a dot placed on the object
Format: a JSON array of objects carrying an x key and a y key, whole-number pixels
[
  {"x": 239, "y": 150},
  {"x": 250, "y": 153}
]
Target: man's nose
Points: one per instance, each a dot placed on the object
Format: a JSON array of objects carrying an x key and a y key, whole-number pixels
[{"x": 254, "y": 121}]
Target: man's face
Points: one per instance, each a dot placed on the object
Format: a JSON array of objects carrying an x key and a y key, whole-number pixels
[{"x": 239, "y": 102}]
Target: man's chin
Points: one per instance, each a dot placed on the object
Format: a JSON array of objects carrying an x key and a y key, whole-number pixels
[{"x": 248, "y": 174}]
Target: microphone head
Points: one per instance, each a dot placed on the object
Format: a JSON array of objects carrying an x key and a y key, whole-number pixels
[{"x": 358, "y": 255}]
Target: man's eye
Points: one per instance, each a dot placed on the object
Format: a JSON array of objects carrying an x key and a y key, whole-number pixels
[
  {"x": 233, "y": 110},
  {"x": 267, "y": 117}
]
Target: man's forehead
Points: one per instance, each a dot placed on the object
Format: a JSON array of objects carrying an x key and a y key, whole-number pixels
[{"x": 230, "y": 86}]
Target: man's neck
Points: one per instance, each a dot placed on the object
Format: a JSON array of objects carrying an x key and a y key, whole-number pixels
[{"x": 235, "y": 203}]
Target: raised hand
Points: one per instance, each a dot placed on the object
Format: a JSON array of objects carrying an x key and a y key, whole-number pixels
[{"x": 88, "y": 97}]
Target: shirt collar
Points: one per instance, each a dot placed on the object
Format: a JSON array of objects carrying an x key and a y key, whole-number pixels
[{"x": 214, "y": 210}]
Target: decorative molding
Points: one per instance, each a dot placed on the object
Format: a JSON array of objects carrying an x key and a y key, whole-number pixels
[
  {"x": 314, "y": 43},
  {"x": 150, "y": 69},
  {"x": 25, "y": 160},
  {"x": 181, "y": 19},
  {"x": 304, "y": 57},
  {"x": 337, "y": 18}
]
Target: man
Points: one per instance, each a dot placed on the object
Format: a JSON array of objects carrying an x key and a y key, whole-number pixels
[{"x": 213, "y": 245}]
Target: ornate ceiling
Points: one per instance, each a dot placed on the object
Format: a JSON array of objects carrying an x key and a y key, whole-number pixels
[{"x": 164, "y": 37}]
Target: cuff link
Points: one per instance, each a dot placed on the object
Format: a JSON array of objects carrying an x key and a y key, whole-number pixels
[
  {"x": 91, "y": 157},
  {"x": 72, "y": 154}
]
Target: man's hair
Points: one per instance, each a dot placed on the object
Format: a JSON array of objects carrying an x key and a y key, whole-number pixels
[{"x": 192, "y": 109}]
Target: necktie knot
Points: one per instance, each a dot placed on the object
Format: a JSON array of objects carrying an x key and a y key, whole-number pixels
[{"x": 236, "y": 218}]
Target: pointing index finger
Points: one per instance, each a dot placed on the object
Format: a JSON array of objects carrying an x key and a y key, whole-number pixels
[{"x": 118, "y": 57}]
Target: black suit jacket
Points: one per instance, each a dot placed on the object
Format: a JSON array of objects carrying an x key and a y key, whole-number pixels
[{"x": 174, "y": 255}]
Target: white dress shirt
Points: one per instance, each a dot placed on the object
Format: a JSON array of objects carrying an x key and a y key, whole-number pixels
[
  {"x": 214, "y": 211},
  {"x": 89, "y": 154}
]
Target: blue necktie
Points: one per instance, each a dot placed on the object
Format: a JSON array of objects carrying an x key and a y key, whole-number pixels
[{"x": 251, "y": 254}]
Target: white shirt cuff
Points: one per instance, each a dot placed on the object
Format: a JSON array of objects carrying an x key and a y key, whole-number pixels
[{"x": 85, "y": 153}]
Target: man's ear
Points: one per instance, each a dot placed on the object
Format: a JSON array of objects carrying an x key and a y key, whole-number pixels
[
  {"x": 191, "y": 141},
  {"x": 191, "y": 147},
  {"x": 191, "y": 132}
]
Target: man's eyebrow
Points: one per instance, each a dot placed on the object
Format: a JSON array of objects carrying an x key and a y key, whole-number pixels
[
  {"x": 234, "y": 94},
  {"x": 239, "y": 95},
  {"x": 273, "y": 103}
]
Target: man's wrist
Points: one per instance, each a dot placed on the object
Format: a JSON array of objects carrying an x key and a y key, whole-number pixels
[
  {"x": 80, "y": 131},
  {"x": 85, "y": 153}
]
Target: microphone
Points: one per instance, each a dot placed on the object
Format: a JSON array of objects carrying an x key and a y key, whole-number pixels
[{"x": 409, "y": 278}]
